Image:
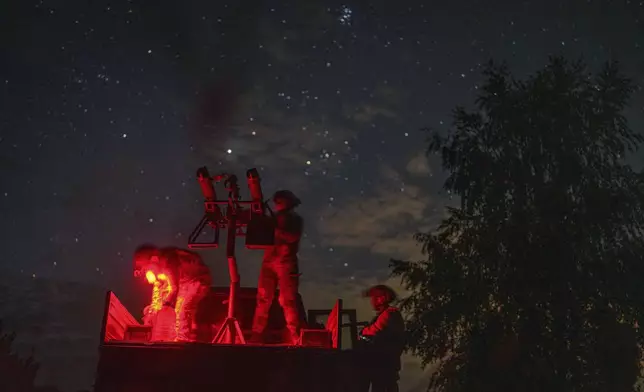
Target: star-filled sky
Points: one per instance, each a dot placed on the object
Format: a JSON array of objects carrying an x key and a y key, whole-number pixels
[{"x": 108, "y": 108}]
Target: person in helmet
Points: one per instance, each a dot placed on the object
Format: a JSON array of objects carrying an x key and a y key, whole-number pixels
[
  {"x": 384, "y": 340},
  {"x": 280, "y": 268},
  {"x": 187, "y": 281}
]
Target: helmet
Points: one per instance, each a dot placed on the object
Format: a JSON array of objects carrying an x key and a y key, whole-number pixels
[
  {"x": 381, "y": 290},
  {"x": 287, "y": 195},
  {"x": 144, "y": 255}
]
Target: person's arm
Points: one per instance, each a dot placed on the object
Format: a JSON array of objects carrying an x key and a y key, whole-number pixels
[
  {"x": 174, "y": 289},
  {"x": 377, "y": 326},
  {"x": 170, "y": 267},
  {"x": 288, "y": 229}
]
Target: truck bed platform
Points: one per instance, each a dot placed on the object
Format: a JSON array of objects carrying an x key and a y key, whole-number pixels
[
  {"x": 195, "y": 367},
  {"x": 127, "y": 366}
]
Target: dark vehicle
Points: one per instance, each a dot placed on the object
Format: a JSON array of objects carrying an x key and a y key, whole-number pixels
[{"x": 130, "y": 362}]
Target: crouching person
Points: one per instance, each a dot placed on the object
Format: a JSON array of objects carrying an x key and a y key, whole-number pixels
[{"x": 187, "y": 282}]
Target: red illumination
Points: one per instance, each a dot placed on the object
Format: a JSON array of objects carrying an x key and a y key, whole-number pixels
[
  {"x": 149, "y": 275},
  {"x": 161, "y": 290}
]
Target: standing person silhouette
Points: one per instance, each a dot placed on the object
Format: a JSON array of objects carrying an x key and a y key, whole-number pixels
[
  {"x": 280, "y": 268},
  {"x": 384, "y": 340}
]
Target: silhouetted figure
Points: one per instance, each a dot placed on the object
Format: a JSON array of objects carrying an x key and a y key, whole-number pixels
[
  {"x": 383, "y": 341},
  {"x": 186, "y": 282},
  {"x": 280, "y": 268}
]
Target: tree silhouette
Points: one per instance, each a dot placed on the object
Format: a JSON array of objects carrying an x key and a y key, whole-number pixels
[
  {"x": 534, "y": 282},
  {"x": 16, "y": 374}
]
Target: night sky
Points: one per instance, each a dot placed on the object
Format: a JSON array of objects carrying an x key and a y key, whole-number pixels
[{"x": 108, "y": 108}]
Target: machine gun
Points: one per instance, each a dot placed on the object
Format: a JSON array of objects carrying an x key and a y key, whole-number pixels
[
  {"x": 259, "y": 233},
  {"x": 130, "y": 360},
  {"x": 235, "y": 217}
]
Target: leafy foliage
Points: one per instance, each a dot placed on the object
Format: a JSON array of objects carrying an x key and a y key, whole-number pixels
[
  {"x": 16, "y": 374},
  {"x": 534, "y": 282}
]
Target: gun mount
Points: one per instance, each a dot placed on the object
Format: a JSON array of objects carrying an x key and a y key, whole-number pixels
[
  {"x": 259, "y": 232},
  {"x": 257, "y": 224},
  {"x": 130, "y": 359}
]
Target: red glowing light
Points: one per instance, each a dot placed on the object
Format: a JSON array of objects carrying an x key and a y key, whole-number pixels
[{"x": 149, "y": 275}]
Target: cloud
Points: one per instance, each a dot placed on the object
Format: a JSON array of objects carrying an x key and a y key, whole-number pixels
[
  {"x": 284, "y": 39},
  {"x": 419, "y": 165},
  {"x": 389, "y": 94},
  {"x": 291, "y": 149},
  {"x": 274, "y": 43},
  {"x": 367, "y": 113},
  {"x": 383, "y": 223},
  {"x": 385, "y": 103},
  {"x": 293, "y": 143}
]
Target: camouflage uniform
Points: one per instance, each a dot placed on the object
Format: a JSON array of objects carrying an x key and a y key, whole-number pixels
[
  {"x": 387, "y": 334},
  {"x": 280, "y": 268},
  {"x": 192, "y": 280}
]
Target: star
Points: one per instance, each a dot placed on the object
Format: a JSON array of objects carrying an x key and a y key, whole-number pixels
[{"x": 103, "y": 138}]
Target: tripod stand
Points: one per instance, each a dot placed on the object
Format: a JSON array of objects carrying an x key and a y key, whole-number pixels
[
  {"x": 234, "y": 219},
  {"x": 230, "y": 331}
]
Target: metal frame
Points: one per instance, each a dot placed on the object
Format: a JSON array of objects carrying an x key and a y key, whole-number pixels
[
  {"x": 106, "y": 311},
  {"x": 312, "y": 315},
  {"x": 234, "y": 219}
]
